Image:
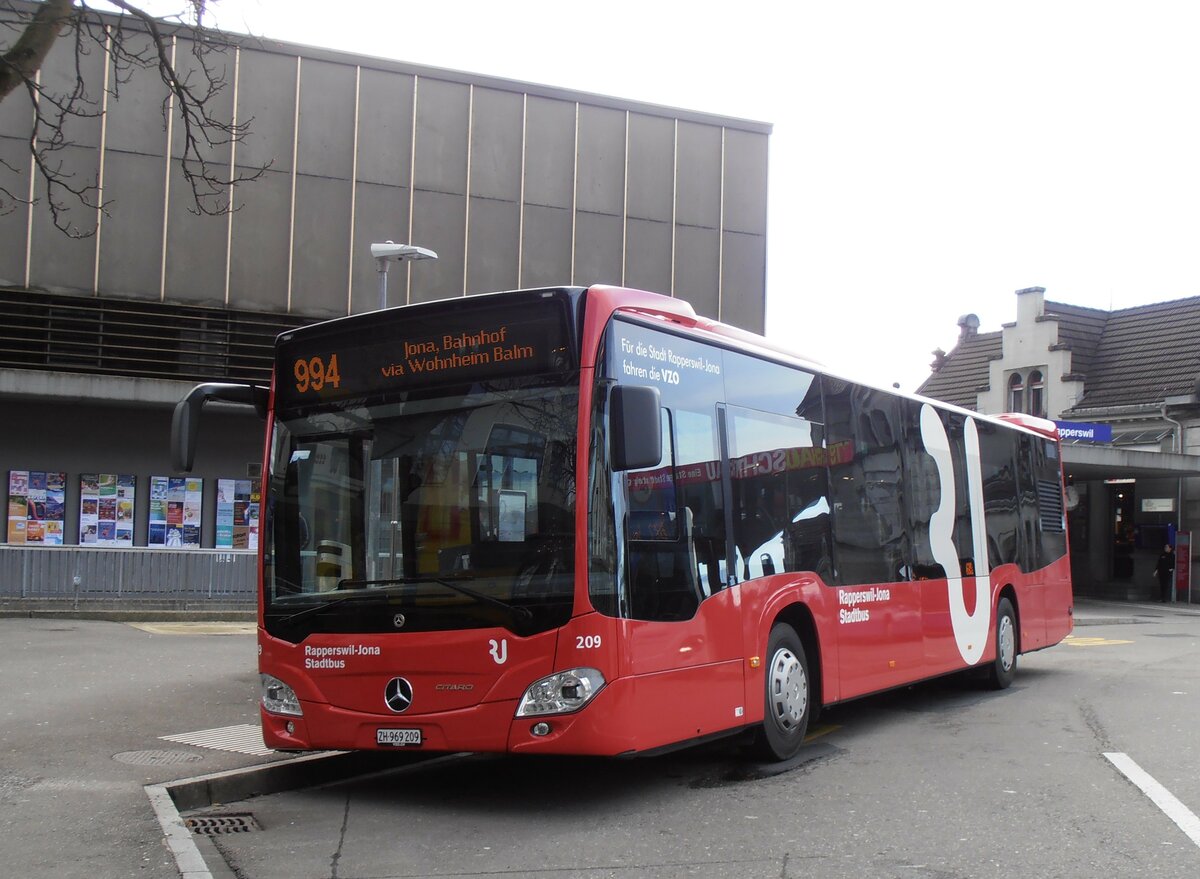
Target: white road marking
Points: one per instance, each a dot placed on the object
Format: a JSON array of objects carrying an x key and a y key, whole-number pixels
[
  {"x": 245, "y": 738},
  {"x": 1184, "y": 817},
  {"x": 190, "y": 628}
]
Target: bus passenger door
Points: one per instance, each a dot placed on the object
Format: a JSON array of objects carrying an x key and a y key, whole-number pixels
[{"x": 682, "y": 632}]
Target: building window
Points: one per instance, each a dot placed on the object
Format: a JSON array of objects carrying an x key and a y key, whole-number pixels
[
  {"x": 1037, "y": 394},
  {"x": 1016, "y": 393}
]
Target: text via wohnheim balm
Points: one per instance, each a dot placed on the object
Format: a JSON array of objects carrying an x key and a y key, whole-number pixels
[
  {"x": 852, "y": 611},
  {"x": 647, "y": 361},
  {"x": 332, "y": 657}
]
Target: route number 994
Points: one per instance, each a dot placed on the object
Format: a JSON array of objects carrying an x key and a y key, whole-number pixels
[
  {"x": 587, "y": 642},
  {"x": 316, "y": 372}
]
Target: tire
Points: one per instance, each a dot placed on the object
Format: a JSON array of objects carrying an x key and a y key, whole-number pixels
[
  {"x": 787, "y": 694},
  {"x": 1004, "y": 667}
]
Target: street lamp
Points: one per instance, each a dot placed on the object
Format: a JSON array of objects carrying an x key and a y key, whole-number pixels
[{"x": 389, "y": 250}]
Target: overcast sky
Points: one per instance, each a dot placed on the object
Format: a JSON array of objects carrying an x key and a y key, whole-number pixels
[{"x": 928, "y": 158}]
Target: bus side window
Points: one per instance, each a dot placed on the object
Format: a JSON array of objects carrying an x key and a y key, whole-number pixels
[
  {"x": 663, "y": 579},
  {"x": 866, "y": 484},
  {"x": 700, "y": 489},
  {"x": 780, "y": 494}
]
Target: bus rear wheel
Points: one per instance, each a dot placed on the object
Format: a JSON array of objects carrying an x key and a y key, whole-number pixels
[
  {"x": 1004, "y": 668},
  {"x": 787, "y": 694}
]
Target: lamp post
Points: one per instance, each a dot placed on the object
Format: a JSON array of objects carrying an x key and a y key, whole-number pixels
[{"x": 389, "y": 250}]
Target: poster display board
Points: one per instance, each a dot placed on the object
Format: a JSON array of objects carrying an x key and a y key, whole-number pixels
[
  {"x": 237, "y": 513},
  {"x": 36, "y": 507},
  {"x": 106, "y": 509},
  {"x": 176, "y": 504}
]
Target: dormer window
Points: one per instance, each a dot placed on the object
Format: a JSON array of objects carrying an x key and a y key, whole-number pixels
[
  {"x": 1016, "y": 393},
  {"x": 1037, "y": 394},
  {"x": 1029, "y": 396}
]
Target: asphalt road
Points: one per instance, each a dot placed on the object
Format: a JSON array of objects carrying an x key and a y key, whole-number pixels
[
  {"x": 79, "y": 700},
  {"x": 939, "y": 780}
]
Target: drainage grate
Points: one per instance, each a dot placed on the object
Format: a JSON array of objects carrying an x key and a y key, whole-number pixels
[
  {"x": 220, "y": 825},
  {"x": 157, "y": 758}
]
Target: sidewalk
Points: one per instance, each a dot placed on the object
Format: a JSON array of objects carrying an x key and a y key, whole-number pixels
[
  {"x": 1096, "y": 612},
  {"x": 128, "y": 610}
]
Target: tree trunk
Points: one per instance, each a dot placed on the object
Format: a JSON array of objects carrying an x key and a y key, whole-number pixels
[{"x": 22, "y": 62}]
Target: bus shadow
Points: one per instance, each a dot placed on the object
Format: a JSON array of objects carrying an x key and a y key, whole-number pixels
[
  {"x": 531, "y": 787},
  {"x": 948, "y": 695},
  {"x": 541, "y": 787}
]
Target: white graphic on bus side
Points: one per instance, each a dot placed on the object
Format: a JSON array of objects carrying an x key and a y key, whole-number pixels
[
  {"x": 499, "y": 651},
  {"x": 970, "y": 630}
]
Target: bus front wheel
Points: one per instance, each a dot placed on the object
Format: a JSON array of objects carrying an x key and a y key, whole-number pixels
[
  {"x": 787, "y": 691},
  {"x": 1004, "y": 668}
]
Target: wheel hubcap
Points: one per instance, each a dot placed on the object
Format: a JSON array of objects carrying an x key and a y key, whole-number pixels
[
  {"x": 788, "y": 689},
  {"x": 1007, "y": 643}
]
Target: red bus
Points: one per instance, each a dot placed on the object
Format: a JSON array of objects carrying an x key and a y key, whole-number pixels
[{"x": 589, "y": 521}]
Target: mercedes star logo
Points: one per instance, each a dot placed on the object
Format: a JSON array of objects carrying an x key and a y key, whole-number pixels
[
  {"x": 398, "y": 694},
  {"x": 398, "y": 621}
]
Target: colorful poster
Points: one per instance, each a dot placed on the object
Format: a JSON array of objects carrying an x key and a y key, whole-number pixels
[
  {"x": 175, "y": 510},
  {"x": 106, "y": 509},
  {"x": 237, "y": 513},
  {"x": 36, "y": 507}
]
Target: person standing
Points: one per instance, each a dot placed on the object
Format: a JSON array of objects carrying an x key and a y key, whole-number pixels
[{"x": 1165, "y": 571}]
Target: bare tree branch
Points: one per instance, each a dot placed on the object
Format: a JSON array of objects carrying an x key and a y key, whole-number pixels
[{"x": 130, "y": 43}]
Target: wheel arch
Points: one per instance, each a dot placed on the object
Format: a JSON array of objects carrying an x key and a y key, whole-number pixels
[
  {"x": 1010, "y": 592},
  {"x": 800, "y": 618}
]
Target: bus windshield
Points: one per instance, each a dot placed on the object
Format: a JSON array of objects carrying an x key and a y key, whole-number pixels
[{"x": 423, "y": 513}]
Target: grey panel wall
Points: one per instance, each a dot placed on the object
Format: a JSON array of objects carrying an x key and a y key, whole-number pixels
[
  {"x": 14, "y": 153},
  {"x": 197, "y": 248},
  {"x": 384, "y": 171},
  {"x": 324, "y": 180},
  {"x": 494, "y": 223},
  {"x": 512, "y": 185},
  {"x": 58, "y": 263},
  {"x": 258, "y": 259},
  {"x": 125, "y": 439},
  {"x": 131, "y": 238}
]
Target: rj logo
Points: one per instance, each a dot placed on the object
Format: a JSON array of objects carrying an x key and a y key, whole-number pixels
[{"x": 499, "y": 651}]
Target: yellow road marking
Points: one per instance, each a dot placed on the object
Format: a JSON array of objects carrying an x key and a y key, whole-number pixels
[
  {"x": 820, "y": 731},
  {"x": 197, "y": 628},
  {"x": 1076, "y": 641}
]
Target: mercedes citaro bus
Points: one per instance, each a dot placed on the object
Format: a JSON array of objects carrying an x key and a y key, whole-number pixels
[{"x": 590, "y": 521}]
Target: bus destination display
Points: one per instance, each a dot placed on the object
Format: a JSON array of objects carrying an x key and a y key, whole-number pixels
[{"x": 396, "y": 352}]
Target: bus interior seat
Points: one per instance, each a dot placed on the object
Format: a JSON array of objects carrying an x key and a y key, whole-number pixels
[{"x": 664, "y": 576}]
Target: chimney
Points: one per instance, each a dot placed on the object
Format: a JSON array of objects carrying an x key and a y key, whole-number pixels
[
  {"x": 968, "y": 326},
  {"x": 939, "y": 360}
]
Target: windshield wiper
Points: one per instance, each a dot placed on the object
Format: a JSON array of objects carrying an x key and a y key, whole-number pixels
[
  {"x": 518, "y": 613},
  {"x": 324, "y": 606}
]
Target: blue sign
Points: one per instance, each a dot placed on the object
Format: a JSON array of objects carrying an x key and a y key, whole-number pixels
[{"x": 1078, "y": 432}]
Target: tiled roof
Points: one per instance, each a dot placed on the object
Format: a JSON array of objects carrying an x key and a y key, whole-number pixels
[
  {"x": 1133, "y": 356},
  {"x": 1145, "y": 354},
  {"x": 965, "y": 371},
  {"x": 1080, "y": 329}
]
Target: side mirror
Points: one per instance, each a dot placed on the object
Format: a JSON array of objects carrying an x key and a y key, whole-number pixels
[
  {"x": 635, "y": 424},
  {"x": 185, "y": 423}
]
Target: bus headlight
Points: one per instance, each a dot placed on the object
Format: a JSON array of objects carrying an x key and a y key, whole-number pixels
[
  {"x": 278, "y": 697},
  {"x": 561, "y": 693}
]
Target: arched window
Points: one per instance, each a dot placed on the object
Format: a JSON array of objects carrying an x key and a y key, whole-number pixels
[
  {"x": 1037, "y": 394},
  {"x": 1016, "y": 393}
]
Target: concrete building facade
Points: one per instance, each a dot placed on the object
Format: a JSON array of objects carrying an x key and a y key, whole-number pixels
[{"x": 512, "y": 184}]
